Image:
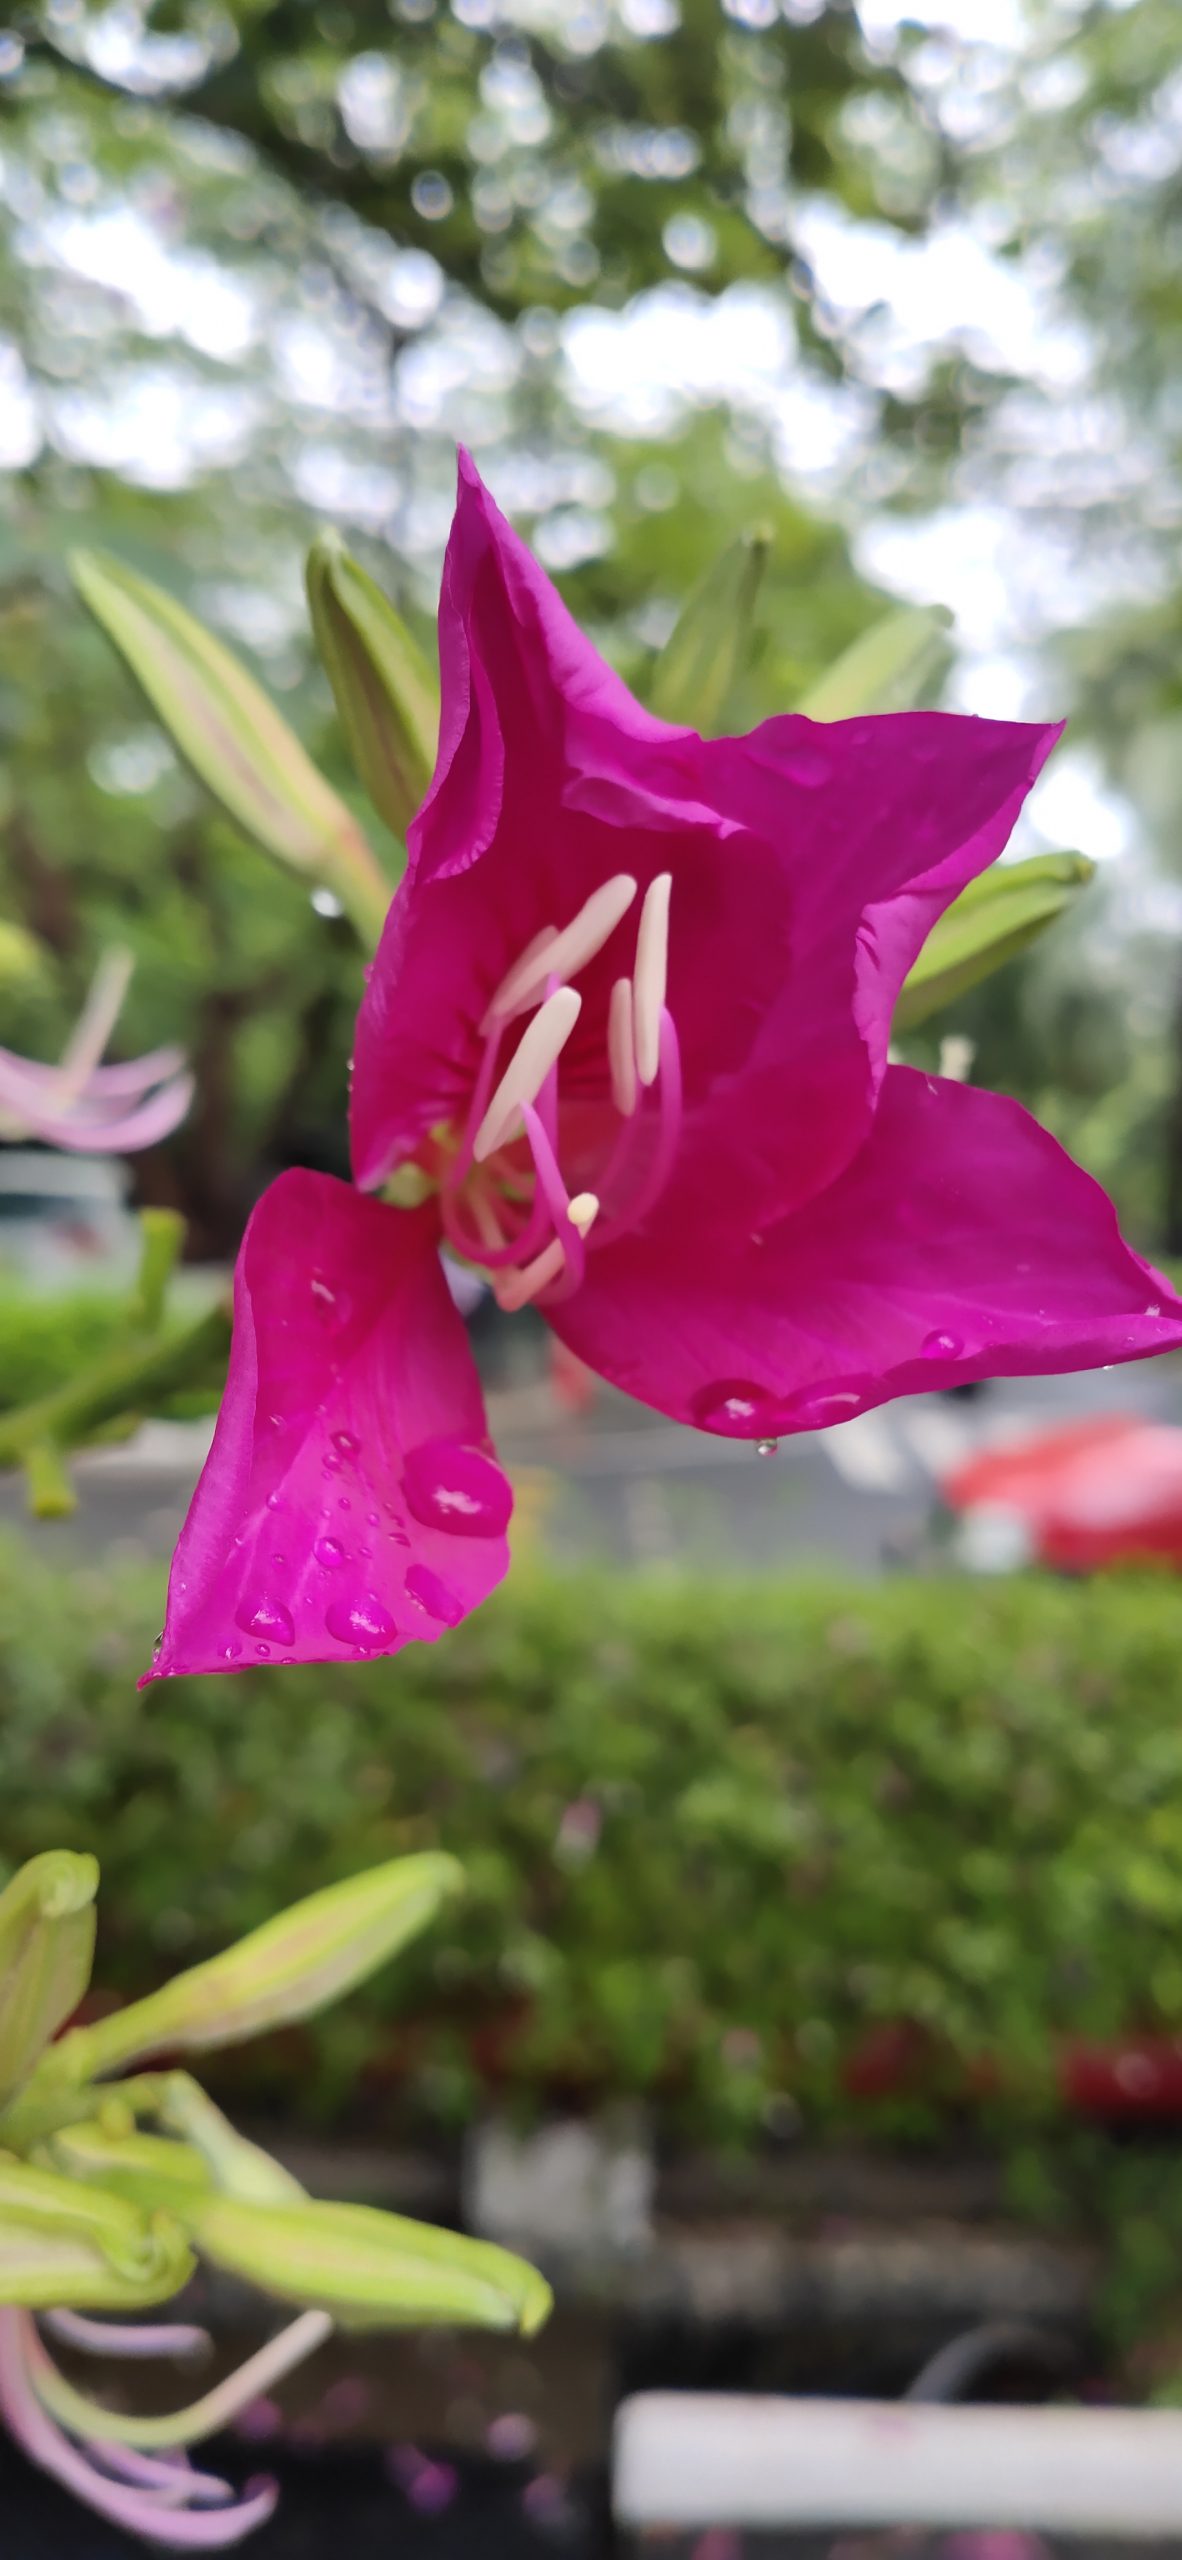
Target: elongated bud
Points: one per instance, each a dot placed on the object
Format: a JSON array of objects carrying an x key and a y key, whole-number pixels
[
  {"x": 386, "y": 692},
  {"x": 288, "y": 1969},
  {"x": 62, "y": 2243},
  {"x": 233, "y": 737},
  {"x": 231, "y": 2163},
  {"x": 708, "y": 648},
  {"x": 891, "y": 667},
  {"x": 143, "y": 2168},
  {"x": 991, "y": 921},
  {"x": 370, "y": 2270},
  {"x": 46, "y": 1952}
]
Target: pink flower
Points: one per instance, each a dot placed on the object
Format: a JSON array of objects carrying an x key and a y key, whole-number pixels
[
  {"x": 629, "y": 1018},
  {"x": 80, "y": 1104}
]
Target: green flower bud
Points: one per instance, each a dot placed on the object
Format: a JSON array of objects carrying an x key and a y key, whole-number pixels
[
  {"x": 992, "y": 920},
  {"x": 144, "y": 2168},
  {"x": 386, "y": 692},
  {"x": 708, "y": 648},
  {"x": 370, "y": 2270},
  {"x": 46, "y": 1952},
  {"x": 288, "y": 1969},
  {"x": 233, "y": 737},
  {"x": 63, "y": 2244},
  {"x": 888, "y": 668}
]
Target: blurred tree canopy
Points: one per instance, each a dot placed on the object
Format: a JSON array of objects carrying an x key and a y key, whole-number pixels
[{"x": 909, "y": 297}]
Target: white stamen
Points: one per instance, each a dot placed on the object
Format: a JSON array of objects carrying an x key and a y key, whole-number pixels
[
  {"x": 540, "y": 1045},
  {"x": 621, "y": 1049},
  {"x": 516, "y": 1289},
  {"x": 648, "y": 982},
  {"x": 504, "y": 1000},
  {"x": 563, "y": 955}
]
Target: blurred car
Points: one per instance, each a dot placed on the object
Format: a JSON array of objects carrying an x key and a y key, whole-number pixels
[
  {"x": 65, "y": 1218},
  {"x": 1103, "y": 1491}
]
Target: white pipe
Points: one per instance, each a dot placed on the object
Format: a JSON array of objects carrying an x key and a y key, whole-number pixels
[{"x": 709, "y": 2458}]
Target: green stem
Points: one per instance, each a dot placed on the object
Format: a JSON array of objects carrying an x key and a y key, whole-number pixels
[{"x": 129, "y": 1380}]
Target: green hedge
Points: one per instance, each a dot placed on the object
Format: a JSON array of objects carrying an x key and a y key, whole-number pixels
[
  {"x": 817, "y": 1808},
  {"x": 49, "y": 1337}
]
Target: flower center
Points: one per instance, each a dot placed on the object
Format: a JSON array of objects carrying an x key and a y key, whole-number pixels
[{"x": 506, "y": 1205}]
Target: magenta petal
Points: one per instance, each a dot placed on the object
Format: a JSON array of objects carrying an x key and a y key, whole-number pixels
[
  {"x": 961, "y": 1243},
  {"x": 352, "y": 1391}
]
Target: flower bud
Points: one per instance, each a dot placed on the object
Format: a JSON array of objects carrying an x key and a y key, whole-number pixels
[
  {"x": 708, "y": 648},
  {"x": 888, "y": 668},
  {"x": 288, "y": 1969},
  {"x": 385, "y": 691},
  {"x": 145, "y": 2169},
  {"x": 992, "y": 920},
  {"x": 370, "y": 2270},
  {"x": 46, "y": 1952},
  {"x": 232, "y": 736},
  {"x": 65, "y": 2244}
]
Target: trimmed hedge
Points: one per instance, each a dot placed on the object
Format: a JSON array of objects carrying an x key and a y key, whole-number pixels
[
  {"x": 49, "y": 1337},
  {"x": 716, "y": 1834}
]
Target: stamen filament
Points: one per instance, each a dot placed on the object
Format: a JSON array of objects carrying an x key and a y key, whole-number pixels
[
  {"x": 621, "y": 1048},
  {"x": 519, "y": 1288},
  {"x": 203, "y": 2417},
  {"x": 650, "y": 976},
  {"x": 669, "y": 1097},
  {"x": 563, "y": 955},
  {"x": 539, "y": 1048}
]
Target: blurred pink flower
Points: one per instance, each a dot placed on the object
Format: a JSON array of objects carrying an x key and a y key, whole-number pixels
[
  {"x": 628, "y": 1027},
  {"x": 82, "y": 1105}
]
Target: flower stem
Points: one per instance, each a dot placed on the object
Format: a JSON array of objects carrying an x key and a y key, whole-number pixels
[{"x": 120, "y": 1384}]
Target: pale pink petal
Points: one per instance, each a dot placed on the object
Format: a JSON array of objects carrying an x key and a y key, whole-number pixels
[
  {"x": 961, "y": 1243},
  {"x": 94, "y": 1120},
  {"x": 350, "y": 1501}
]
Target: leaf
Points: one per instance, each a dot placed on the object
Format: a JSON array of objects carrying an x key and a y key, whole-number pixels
[
  {"x": 232, "y": 735},
  {"x": 888, "y": 668},
  {"x": 385, "y": 691},
  {"x": 706, "y": 651},
  {"x": 992, "y": 920}
]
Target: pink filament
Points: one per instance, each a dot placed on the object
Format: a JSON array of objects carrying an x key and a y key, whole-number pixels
[{"x": 668, "y": 1131}]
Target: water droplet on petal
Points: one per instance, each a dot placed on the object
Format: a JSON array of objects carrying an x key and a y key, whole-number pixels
[
  {"x": 333, "y": 1306},
  {"x": 274, "y": 1502},
  {"x": 426, "y": 1589},
  {"x": 458, "y": 1489},
  {"x": 158, "y": 1646},
  {"x": 809, "y": 766},
  {"x": 266, "y": 1618},
  {"x": 374, "y": 1519},
  {"x": 262, "y": 1648},
  {"x": 231, "y": 1652},
  {"x": 1154, "y": 1310},
  {"x": 766, "y": 1448},
  {"x": 347, "y": 1442},
  {"x": 330, "y": 1464},
  {"x": 941, "y": 1346},
  {"x": 816, "y": 1413},
  {"x": 329, "y": 1552},
  {"x": 361, "y": 1622},
  {"x": 736, "y": 1405}
]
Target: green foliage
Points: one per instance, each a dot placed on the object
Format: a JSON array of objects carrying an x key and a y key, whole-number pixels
[{"x": 712, "y": 1834}]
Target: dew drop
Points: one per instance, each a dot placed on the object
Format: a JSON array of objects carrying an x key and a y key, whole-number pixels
[
  {"x": 343, "y": 1502},
  {"x": 817, "y": 1412},
  {"x": 374, "y": 1519},
  {"x": 941, "y": 1346},
  {"x": 432, "y": 1595},
  {"x": 361, "y": 1622},
  {"x": 231, "y": 1652},
  {"x": 332, "y": 1305},
  {"x": 262, "y": 1648},
  {"x": 158, "y": 1646},
  {"x": 766, "y": 1448},
  {"x": 1154, "y": 1310},
  {"x": 458, "y": 1489},
  {"x": 330, "y": 1464},
  {"x": 266, "y": 1618},
  {"x": 274, "y": 1502},
  {"x": 736, "y": 1405},
  {"x": 329, "y": 1552},
  {"x": 346, "y": 1442}
]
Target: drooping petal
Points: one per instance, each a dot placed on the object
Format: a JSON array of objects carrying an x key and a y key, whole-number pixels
[
  {"x": 961, "y": 1243},
  {"x": 117, "y": 1110},
  {"x": 349, "y": 1501}
]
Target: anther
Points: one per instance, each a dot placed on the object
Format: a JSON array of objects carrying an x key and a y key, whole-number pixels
[
  {"x": 562, "y": 955},
  {"x": 648, "y": 983},
  {"x": 517, "y": 1289},
  {"x": 621, "y": 1050},
  {"x": 539, "y": 1048}
]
